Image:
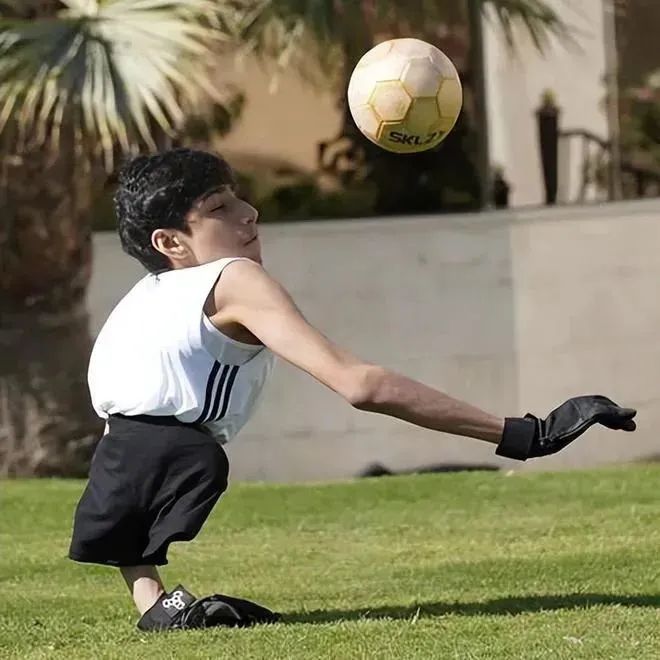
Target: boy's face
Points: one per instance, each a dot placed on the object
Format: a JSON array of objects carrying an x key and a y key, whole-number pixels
[{"x": 219, "y": 225}]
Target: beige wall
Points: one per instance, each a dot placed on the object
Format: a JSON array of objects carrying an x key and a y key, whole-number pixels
[
  {"x": 514, "y": 311},
  {"x": 285, "y": 122}
]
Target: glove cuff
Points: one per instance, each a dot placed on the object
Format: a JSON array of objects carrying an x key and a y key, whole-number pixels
[
  {"x": 166, "y": 611},
  {"x": 518, "y": 438}
]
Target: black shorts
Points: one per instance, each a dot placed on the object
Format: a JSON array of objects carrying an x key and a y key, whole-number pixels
[{"x": 152, "y": 481}]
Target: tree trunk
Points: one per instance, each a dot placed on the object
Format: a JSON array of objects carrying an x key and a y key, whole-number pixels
[{"x": 47, "y": 426}]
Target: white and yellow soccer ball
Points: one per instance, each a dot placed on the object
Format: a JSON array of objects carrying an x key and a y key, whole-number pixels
[{"x": 405, "y": 95}]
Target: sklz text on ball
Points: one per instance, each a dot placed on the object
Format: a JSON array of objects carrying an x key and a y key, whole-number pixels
[{"x": 417, "y": 140}]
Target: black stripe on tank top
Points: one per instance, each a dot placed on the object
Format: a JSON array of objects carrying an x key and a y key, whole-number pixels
[
  {"x": 209, "y": 392},
  {"x": 218, "y": 394},
  {"x": 230, "y": 384}
]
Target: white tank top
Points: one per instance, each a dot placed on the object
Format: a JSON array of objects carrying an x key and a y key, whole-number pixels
[{"x": 159, "y": 354}]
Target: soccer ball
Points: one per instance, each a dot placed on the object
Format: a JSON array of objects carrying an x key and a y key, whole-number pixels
[{"x": 405, "y": 95}]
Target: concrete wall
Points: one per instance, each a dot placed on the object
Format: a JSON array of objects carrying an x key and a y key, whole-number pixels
[{"x": 513, "y": 311}]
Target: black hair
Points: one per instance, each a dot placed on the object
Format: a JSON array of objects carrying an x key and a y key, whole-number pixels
[{"x": 157, "y": 191}]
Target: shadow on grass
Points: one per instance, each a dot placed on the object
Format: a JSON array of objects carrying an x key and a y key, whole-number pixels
[
  {"x": 499, "y": 606},
  {"x": 380, "y": 470}
]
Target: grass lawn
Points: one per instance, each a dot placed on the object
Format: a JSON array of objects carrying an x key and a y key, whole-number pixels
[{"x": 469, "y": 565}]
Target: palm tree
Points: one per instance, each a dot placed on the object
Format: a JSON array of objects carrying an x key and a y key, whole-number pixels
[
  {"x": 325, "y": 39},
  {"x": 82, "y": 83},
  {"x": 300, "y": 31}
]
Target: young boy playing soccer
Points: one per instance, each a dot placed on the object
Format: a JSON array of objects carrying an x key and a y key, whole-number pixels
[{"x": 181, "y": 361}]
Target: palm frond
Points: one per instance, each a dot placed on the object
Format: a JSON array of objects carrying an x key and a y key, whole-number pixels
[
  {"x": 536, "y": 17},
  {"x": 116, "y": 70},
  {"x": 327, "y": 32}
]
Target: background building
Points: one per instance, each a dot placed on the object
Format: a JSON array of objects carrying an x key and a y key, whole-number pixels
[{"x": 284, "y": 124}]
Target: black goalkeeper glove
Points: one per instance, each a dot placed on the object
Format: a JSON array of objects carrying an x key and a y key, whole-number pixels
[
  {"x": 531, "y": 437},
  {"x": 181, "y": 610},
  {"x": 221, "y": 610}
]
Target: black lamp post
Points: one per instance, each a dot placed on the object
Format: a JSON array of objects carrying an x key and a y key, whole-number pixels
[{"x": 548, "y": 130}]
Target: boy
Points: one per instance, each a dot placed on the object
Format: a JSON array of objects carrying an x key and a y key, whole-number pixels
[{"x": 182, "y": 360}]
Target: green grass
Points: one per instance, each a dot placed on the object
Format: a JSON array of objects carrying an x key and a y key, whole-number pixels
[{"x": 470, "y": 565}]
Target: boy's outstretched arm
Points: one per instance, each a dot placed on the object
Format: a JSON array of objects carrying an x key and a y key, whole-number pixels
[{"x": 248, "y": 296}]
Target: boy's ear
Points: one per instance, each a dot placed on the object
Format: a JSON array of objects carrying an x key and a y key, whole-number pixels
[{"x": 168, "y": 242}]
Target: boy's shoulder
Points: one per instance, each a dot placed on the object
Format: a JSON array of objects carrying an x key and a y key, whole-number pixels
[
  {"x": 180, "y": 286},
  {"x": 171, "y": 290}
]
